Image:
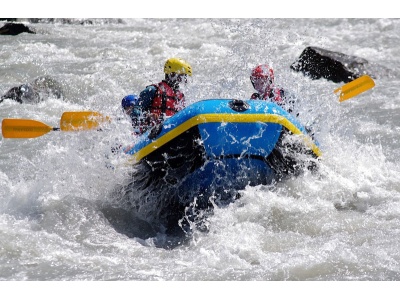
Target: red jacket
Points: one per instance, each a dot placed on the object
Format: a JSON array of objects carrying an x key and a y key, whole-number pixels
[
  {"x": 157, "y": 101},
  {"x": 166, "y": 100},
  {"x": 276, "y": 95}
]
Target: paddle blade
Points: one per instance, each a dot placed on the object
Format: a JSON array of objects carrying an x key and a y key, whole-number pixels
[
  {"x": 21, "y": 128},
  {"x": 355, "y": 87},
  {"x": 81, "y": 120}
]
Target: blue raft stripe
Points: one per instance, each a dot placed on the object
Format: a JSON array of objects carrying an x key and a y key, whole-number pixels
[{"x": 220, "y": 118}]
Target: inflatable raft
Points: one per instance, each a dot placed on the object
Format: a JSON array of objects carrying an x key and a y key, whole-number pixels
[{"x": 206, "y": 153}]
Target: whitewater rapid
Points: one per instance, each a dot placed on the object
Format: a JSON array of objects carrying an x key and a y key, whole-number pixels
[{"x": 343, "y": 223}]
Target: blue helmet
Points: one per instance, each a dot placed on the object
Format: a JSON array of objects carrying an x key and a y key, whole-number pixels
[{"x": 129, "y": 101}]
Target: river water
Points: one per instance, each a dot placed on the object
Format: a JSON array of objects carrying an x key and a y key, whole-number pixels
[{"x": 341, "y": 224}]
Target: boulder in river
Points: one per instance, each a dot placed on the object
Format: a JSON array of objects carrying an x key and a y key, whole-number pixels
[
  {"x": 15, "y": 29},
  {"x": 334, "y": 66},
  {"x": 42, "y": 88}
]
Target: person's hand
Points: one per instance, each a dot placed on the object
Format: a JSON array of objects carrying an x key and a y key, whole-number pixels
[{"x": 153, "y": 119}]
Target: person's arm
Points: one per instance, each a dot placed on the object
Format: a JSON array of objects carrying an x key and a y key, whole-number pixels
[
  {"x": 289, "y": 101},
  {"x": 147, "y": 96},
  {"x": 283, "y": 96},
  {"x": 255, "y": 96}
]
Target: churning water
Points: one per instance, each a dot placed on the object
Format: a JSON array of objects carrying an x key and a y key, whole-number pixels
[{"x": 342, "y": 223}]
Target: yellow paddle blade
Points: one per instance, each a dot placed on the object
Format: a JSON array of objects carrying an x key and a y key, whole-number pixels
[
  {"x": 21, "y": 128},
  {"x": 81, "y": 120},
  {"x": 355, "y": 87}
]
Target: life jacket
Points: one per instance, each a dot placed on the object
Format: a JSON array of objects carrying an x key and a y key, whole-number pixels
[
  {"x": 166, "y": 100},
  {"x": 276, "y": 95}
]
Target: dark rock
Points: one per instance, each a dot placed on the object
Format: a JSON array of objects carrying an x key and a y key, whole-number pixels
[
  {"x": 335, "y": 66},
  {"x": 42, "y": 88},
  {"x": 48, "y": 87},
  {"x": 15, "y": 29}
]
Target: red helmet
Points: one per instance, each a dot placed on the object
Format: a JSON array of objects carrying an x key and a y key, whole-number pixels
[{"x": 262, "y": 71}]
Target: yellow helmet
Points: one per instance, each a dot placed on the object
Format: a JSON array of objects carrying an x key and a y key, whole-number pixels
[{"x": 178, "y": 66}]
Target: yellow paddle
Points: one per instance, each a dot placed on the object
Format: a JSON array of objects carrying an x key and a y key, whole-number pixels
[
  {"x": 21, "y": 128},
  {"x": 355, "y": 87},
  {"x": 70, "y": 121},
  {"x": 81, "y": 120}
]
